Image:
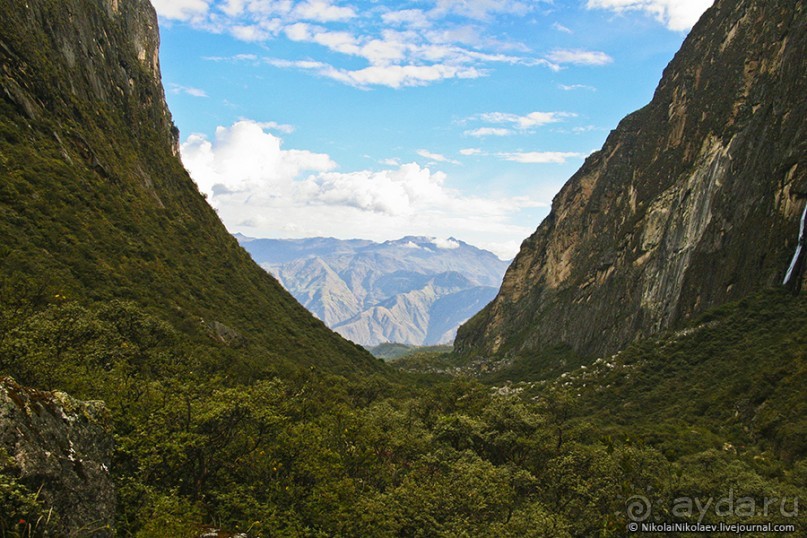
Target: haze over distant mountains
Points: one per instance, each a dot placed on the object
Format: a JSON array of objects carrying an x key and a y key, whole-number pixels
[{"x": 414, "y": 290}]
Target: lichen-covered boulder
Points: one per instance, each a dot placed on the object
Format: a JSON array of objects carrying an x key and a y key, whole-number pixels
[{"x": 62, "y": 448}]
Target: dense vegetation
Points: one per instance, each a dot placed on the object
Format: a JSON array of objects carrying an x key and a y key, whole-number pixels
[
  {"x": 232, "y": 407},
  {"x": 392, "y": 351},
  {"x": 711, "y": 412}
]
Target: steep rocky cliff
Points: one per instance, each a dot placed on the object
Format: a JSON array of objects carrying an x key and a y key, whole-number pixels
[
  {"x": 62, "y": 448},
  {"x": 693, "y": 201},
  {"x": 94, "y": 202}
]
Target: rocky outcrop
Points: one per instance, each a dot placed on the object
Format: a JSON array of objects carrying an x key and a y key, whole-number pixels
[
  {"x": 61, "y": 447},
  {"x": 104, "y": 51},
  {"x": 692, "y": 202}
]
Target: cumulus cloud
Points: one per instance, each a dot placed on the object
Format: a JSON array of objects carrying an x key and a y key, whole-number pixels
[
  {"x": 261, "y": 188},
  {"x": 245, "y": 158},
  {"x": 678, "y": 15}
]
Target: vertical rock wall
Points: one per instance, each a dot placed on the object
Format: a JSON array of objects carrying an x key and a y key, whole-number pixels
[{"x": 693, "y": 201}]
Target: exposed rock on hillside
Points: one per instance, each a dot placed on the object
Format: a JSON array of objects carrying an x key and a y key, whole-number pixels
[
  {"x": 692, "y": 202},
  {"x": 63, "y": 446}
]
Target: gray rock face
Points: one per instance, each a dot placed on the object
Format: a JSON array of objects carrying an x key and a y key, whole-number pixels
[
  {"x": 414, "y": 290},
  {"x": 95, "y": 42},
  {"x": 693, "y": 201},
  {"x": 63, "y": 446}
]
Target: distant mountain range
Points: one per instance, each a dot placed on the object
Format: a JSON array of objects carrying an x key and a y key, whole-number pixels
[{"x": 414, "y": 290}]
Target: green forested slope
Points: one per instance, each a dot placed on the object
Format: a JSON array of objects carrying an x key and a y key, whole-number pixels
[{"x": 95, "y": 205}]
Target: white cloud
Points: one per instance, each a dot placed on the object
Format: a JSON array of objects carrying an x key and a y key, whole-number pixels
[
  {"x": 233, "y": 8},
  {"x": 299, "y": 64},
  {"x": 488, "y": 131},
  {"x": 541, "y": 157},
  {"x": 470, "y": 151},
  {"x": 299, "y": 32},
  {"x": 388, "y": 192},
  {"x": 571, "y": 87},
  {"x": 193, "y": 92},
  {"x": 678, "y": 15},
  {"x": 415, "y": 18},
  {"x": 579, "y": 57},
  {"x": 481, "y": 9},
  {"x": 560, "y": 28},
  {"x": 505, "y": 250},
  {"x": 446, "y": 244},
  {"x": 518, "y": 124},
  {"x": 399, "y": 58},
  {"x": 234, "y": 58},
  {"x": 393, "y": 76},
  {"x": 275, "y": 126},
  {"x": 183, "y": 10},
  {"x": 244, "y": 158},
  {"x": 249, "y": 33},
  {"x": 436, "y": 157},
  {"x": 323, "y": 11},
  {"x": 384, "y": 51},
  {"x": 408, "y": 47},
  {"x": 264, "y": 190},
  {"x": 533, "y": 119},
  {"x": 342, "y": 42}
]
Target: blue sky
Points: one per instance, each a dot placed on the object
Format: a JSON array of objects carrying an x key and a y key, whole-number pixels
[{"x": 376, "y": 120}]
